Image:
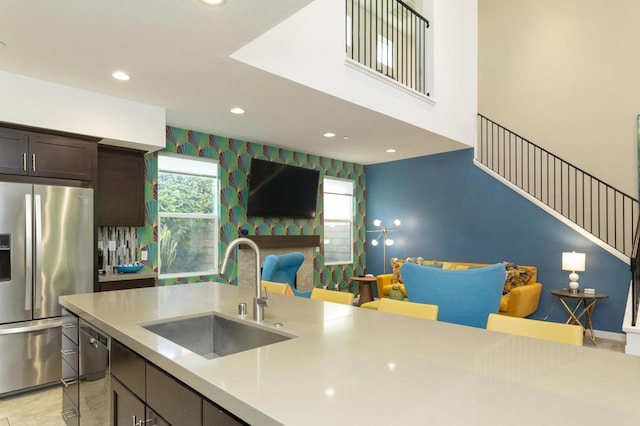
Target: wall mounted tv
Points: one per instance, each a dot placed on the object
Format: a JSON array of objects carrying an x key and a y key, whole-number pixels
[{"x": 280, "y": 190}]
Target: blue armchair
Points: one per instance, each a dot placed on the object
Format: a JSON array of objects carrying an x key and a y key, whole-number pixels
[
  {"x": 283, "y": 269},
  {"x": 464, "y": 297}
]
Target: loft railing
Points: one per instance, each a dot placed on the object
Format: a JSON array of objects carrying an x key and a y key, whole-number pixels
[
  {"x": 635, "y": 276},
  {"x": 605, "y": 212},
  {"x": 389, "y": 37}
]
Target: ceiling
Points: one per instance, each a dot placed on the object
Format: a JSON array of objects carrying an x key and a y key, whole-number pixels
[{"x": 177, "y": 53}]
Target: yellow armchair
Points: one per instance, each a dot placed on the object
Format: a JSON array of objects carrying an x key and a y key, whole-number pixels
[
  {"x": 521, "y": 301},
  {"x": 384, "y": 283}
]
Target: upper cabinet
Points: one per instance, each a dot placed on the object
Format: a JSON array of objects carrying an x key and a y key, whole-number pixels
[
  {"x": 120, "y": 190},
  {"x": 30, "y": 153}
]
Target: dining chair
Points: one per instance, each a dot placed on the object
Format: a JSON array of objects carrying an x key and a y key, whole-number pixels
[
  {"x": 276, "y": 288},
  {"x": 343, "y": 297},
  {"x": 411, "y": 309},
  {"x": 554, "y": 331}
]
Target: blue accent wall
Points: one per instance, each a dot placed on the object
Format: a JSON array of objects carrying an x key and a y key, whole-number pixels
[{"x": 451, "y": 210}]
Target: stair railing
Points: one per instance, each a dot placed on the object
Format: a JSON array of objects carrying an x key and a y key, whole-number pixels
[
  {"x": 606, "y": 212},
  {"x": 390, "y": 37},
  {"x": 635, "y": 276}
]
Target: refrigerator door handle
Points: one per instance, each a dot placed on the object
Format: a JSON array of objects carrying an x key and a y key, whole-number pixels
[
  {"x": 28, "y": 251},
  {"x": 30, "y": 328},
  {"x": 38, "y": 251}
]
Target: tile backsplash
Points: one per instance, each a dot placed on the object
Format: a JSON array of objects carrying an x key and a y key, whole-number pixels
[{"x": 126, "y": 239}]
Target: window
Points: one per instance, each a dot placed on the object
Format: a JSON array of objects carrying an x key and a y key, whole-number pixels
[
  {"x": 384, "y": 51},
  {"x": 339, "y": 208},
  {"x": 187, "y": 216}
]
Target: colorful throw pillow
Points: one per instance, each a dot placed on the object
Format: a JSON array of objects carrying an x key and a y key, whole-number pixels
[
  {"x": 516, "y": 276},
  {"x": 396, "y": 265}
]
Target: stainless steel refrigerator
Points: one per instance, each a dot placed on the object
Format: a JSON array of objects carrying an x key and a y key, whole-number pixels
[{"x": 46, "y": 250}]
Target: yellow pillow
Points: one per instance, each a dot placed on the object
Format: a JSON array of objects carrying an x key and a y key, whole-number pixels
[{"x": 453, "y": 267}]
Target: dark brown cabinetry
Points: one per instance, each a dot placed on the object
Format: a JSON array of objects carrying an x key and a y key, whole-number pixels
[
  {"x": 139, "y": 388},
  {"x": 127, "y": 284},
  {"x": 212, "y": 415},
  {"x": 129, "y": 410},
  {"x": 120, "y": 189},
  {"x": 174, "y": 402},
  {"x": 13, "y": 145},
  {"x": 126, "y": 408},
  {"x": 29, "y": 153}
]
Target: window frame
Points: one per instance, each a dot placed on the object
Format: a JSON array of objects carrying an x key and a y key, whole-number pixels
[
  {"x": 350, "y": 221},
  {"x": 215, "y": 216}
]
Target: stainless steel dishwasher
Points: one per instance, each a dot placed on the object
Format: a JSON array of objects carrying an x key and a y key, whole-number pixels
[{"x": 95, "y": 391}]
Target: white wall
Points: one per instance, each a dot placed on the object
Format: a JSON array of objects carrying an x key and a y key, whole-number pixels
[
  {"x": 308, "y": 48},
  {"x": 119, "y": 122},
  {"x": 565, "y": 75}
]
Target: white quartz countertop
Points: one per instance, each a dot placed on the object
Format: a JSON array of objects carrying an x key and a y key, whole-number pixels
[{"x": 354, "y": 366}]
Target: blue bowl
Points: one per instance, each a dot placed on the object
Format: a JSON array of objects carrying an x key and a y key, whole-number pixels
[{"x": 128, "y": 269}]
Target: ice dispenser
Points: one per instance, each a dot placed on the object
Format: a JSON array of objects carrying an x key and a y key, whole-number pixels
[{"x": 5, "y": 257}]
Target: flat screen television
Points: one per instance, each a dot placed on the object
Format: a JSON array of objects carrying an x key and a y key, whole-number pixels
[{"x": 280, "y": 190}]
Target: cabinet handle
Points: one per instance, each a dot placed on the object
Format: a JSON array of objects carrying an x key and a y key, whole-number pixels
[
  {"x": 69, "y": 325},
  {"x": 66, "y": 415},
  {"x": 68, "y": 382},
  {"x": 33, "y": 162},
  {"x": 141, "y": 422},
  {"x": 68, "y": 352},
  {"x": 24, "y": 161}
]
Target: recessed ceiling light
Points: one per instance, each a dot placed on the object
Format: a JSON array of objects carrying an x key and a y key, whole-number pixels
[
  {"x": 236, "y": 110},
  {"x": 213, "y": 2},
  {"x": 345, "y": 138},
  {"x": 390, "y": 150},
  {"x": 329, "y": 135},
  {"x": 121, "y": 75}
]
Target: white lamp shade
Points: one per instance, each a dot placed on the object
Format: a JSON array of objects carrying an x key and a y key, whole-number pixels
[
  {"x": 573, "y": 261},
  {"x": 377, "y": 222},
  {"x": 397, "y": 222},
  {"x": 374, "y": 242},
  {"x": 389, "y": 242}
]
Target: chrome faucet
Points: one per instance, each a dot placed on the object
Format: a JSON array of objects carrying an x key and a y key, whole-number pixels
[{"x": 259, "y": 302}]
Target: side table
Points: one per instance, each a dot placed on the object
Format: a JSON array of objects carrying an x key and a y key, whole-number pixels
[
  {"x": 585, "y": 301},
  {"x": 366, "y": 293}
]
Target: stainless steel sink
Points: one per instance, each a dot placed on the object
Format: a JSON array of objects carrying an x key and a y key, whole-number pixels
[{"x": 213, "y": 336}]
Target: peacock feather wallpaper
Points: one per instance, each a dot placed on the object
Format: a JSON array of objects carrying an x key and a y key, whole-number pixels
[{"x": 234, "y": 159}]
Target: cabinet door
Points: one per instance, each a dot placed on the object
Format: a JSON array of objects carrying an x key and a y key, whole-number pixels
[
  {"x": 120, "y": 190},
  {"x": 126, "y": 409},
  {"x": 128, "y": 367},
  {"x": 172, "y": 400},
  {"x": 153, "y": 419},
  {"x": 14, "y": 149},
  {"x": 61, "y": 157},
  {"x": 212, "y": 415}
]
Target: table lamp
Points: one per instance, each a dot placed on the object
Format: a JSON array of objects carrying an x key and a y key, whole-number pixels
[{"x": 573, "y": 262}]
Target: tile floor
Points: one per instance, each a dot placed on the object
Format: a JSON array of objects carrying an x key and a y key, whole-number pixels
[
  {"x": 42, "y": 408},
  {"x": 37, "y": 408}
]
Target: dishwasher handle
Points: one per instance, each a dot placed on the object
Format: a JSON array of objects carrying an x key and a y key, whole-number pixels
[{"x": 94, "y": 352}]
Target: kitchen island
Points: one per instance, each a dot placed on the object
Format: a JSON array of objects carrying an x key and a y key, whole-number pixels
[{"x": 347, "y": 366}]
